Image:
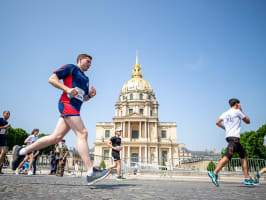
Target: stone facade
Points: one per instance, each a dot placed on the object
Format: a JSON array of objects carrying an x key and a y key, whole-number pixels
[{"x": 144, "y": 139}]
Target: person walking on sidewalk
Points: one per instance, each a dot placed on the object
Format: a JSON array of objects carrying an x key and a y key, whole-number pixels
[
  {"x": 62, "y": 159},
  {"x": 232, "y": 124}
]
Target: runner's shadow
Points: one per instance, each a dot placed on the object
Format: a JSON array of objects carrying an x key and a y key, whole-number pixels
[
  {"x": 110, "y": 186},
  {"x": 246, "y": 186},
  {"x": 58, "y": 184}
]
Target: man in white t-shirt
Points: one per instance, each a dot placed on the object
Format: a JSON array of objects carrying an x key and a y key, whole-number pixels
[{"x": 232, "y": 124}]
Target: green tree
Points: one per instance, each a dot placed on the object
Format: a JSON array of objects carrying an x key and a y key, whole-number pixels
[
  {"x": 102, "y": 164},
  {"x": 252, "y": 142},
  {"x": 211, "y": 166},
  {"x": 15, "y": 136}
]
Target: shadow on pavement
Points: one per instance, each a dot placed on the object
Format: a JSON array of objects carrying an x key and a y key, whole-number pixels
[
  {"x": 110, "y": 186},
  {"x": 59, "y": 184}
]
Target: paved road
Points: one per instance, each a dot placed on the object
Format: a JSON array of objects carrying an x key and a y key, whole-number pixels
[{"x": 72, "y": 188}]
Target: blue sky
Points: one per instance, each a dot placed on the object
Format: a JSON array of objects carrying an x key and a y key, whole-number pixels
[{"x": 195, "y": 54}]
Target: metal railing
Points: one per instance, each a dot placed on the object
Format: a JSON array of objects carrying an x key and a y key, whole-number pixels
[{"x": 133, "y": 166}]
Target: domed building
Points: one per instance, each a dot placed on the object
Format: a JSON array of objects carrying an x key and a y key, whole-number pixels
[{"x": 144, "y": 139}]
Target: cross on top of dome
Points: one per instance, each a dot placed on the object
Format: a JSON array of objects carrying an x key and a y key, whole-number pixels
[{"x": 136, "y": 69}]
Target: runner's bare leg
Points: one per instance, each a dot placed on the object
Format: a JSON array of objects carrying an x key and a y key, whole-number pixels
[
  {"x": 60, "y": 131},
  {"x": 77, "y": 125}
]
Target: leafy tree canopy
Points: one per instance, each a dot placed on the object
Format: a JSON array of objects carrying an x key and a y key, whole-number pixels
[
  {"x": 17, "y": 136},
  {"x": 252, "y": 142}
]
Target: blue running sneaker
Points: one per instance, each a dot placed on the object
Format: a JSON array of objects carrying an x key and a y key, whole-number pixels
[
  {"x": 98, "y": 176},
  {"x": 256, "y": 178},
  {"x": 214, "y": 178},
  {"x": 249, "y": 181}
]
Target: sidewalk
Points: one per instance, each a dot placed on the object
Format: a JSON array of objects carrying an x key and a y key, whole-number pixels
[
  {"x": 222, "y": 179},
  {"x": 203, "y": 177}
]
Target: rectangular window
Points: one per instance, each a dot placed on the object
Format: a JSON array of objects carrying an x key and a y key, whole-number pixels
[
  {"x": 107, "y": 133},
  {"x": 141, "y": 111},
  {"x": 151, "y": 112},
  {"x": 164, "y": 156},
  {"x": 106, "y": 154},
  {"x": 163, "y": 133},
  {"x": 135, "y": 134},
  {"x": 140, "y": 96},
  {"x": 131, "y": 96},
  {"x": 130, "y": 111}
]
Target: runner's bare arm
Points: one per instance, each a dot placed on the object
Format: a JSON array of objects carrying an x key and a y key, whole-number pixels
[
  {"x": 5, "y": 126},
  {"x": 219, "y": 123},
  {"x": 110, "y": 144},
  {"x": 91, "y": 95},
  {"x": 245, "y": 119},
  {"x": 54, "y": 80}
]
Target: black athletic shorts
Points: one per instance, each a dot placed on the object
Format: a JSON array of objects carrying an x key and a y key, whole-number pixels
[
  {"x": 116, "y": 155},
  {"x": 234, "y": 146},
  {"x": 2, "y": 141}
]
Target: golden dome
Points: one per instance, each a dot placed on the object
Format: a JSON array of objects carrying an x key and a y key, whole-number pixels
[{"x": 136, "y": 82}]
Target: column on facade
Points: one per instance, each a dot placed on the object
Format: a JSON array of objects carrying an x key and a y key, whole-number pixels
[
  {"x": 146, "y": 130},
  {"x": 124, "y": 129},
  {"x": 157, "y": 154},
  {"x": 123, "y": 153},
  {"x": 171, "y": 157},
  {"x": 128, "y": 155},
  {"x": 148, "y": 135},
  {"x": 146, "y": 154},
  {"x": 149, "y": 154},
  {"x": 140, "y": 154},
  {"x": 129, "y": 132},
  {"x": 140, "y": 129},
  {"x": 121, "y": 127},
  {"x": 156, "y": 129}
]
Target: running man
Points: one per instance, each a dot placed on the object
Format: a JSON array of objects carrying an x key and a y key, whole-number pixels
[
  {"x": 31, "y": 155},
  {"x": 115, "y": 144},
  {"x": 232, "y": 124},
  {"x": 75, "y": 88},
  {"x": 3, "y": 144},
  {"x": 258, "y": 174}
]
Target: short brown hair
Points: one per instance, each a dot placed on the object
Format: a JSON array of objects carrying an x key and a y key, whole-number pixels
[
  {"x": 83, "y": 56},
  {"x": 6, "y": 111},
  {"x": 33, "y": 131}
]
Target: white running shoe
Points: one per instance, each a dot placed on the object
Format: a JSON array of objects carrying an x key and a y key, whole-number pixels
[
  {"x": 30, "y": 172},
  {"x": 17, "y": 171}
]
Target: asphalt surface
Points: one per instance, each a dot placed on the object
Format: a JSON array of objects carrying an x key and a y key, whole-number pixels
[{"x": 53, "y": 188}]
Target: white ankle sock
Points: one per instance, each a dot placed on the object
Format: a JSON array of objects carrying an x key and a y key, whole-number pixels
[
  {"x": 90, "y": 172},
  {"x": 22, "y": 152}
]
